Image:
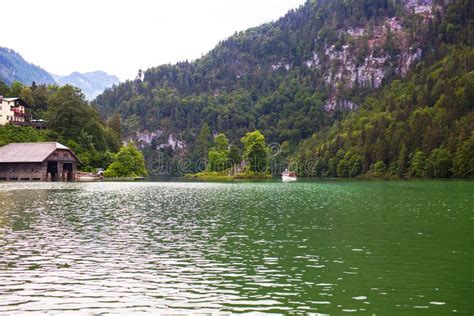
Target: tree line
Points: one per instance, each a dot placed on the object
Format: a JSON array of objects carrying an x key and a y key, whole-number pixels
[{"x": 72, "y": 121}]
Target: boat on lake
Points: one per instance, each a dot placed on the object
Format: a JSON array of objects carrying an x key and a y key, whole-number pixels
[{"x": 288, "y": 176}]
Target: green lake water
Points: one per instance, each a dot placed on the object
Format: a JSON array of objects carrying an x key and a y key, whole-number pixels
[{"x": 364, "y": 247}]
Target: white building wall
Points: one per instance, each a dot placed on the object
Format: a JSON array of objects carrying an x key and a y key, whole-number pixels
[{"x": 6, "y": 113}]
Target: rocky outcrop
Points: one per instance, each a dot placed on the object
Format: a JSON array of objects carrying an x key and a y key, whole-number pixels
[
  {"x": 369, "y": 55},
  {"x": 157, "y": 139}
]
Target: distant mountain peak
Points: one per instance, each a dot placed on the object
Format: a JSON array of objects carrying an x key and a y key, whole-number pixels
[{"x": 91, "y": 83}]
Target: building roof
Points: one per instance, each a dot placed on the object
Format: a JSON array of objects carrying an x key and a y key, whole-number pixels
[
  {"x": 10, "y": 99},
  {"x": 29, "y": 152},
  {"x": 16, "y": 100}
]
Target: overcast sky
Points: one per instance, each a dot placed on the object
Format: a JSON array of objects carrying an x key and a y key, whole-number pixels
[{"x": 123, "y": 36}]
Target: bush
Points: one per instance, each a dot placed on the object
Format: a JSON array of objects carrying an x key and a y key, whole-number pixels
[{"x": 128, "y": 162}]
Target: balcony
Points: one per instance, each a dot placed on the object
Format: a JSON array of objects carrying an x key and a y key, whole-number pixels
[
  {"x": 19, "y": 112},
  {"x": 38, "y": 124}
]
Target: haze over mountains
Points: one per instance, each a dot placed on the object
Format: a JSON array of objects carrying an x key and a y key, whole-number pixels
[
  {"x": 91, "y": 83},
  {"x": 13, "y": 67}
]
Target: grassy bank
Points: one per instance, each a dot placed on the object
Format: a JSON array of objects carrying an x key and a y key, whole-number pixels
[{"x": 221, "y": 176}]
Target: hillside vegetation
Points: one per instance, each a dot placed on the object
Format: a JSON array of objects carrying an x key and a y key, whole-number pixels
[
  {"x": 14, "y": 68},
  {"x": 372, "y": 87}
]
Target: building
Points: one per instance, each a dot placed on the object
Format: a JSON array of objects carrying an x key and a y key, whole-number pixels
[
  {"x": 49, "y": 161},
  {"x": 17, "y": 112},
  {"x": 13, "y": 110}
]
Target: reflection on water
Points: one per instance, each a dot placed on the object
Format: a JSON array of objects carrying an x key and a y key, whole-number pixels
[{"x": 308, "y": 247}]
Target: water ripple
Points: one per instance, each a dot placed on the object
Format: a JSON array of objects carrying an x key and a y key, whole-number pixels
[{"x": 268, "y": 247}]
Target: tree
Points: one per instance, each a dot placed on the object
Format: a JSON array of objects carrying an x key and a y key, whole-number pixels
[
  {"x": 343, "y": 168},
  {"x": 27, "y": 95},
  {"x": 4, "y": 89},
  {"x": 217, "y": 160},
  {"x": 202, "y": 143},
  {"x": 217, "y": 157},
  {"x": 115, "y": 123},
  {"x": 234, "y": 156},
  {"x": 378, "y": 168},
  {"x": 15, "y": 134},
  {"x": 258, "y": 157},
  {"x": 440, "y": 163},
  {"x": 464, "y": 160},
  {"x": 418, "y": 165},
  {"x": 355, "y": 165},
  {"x": 250, "y": 139},
  {"x": 15, "y": 89},
  {"x": 221, "y": 143},
  {"x": 68, "y": 112},
  {"x": 71, "y": 118},
  {"x": 41, "y": 95},
  {"x": 402, "y": 161},
  {"x": 279, "y": 159},
  {"x": 128, "y": 162}
]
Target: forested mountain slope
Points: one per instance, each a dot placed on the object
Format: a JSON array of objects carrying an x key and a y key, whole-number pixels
[
  {"x": 298, "y": 76},
  {"x": 14, "y": 68}
]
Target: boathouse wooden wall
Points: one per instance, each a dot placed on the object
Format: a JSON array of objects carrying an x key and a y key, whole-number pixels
[{"x": 38, "y": 171}]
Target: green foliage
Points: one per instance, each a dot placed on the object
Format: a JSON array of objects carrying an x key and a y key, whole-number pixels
[
  {"x": 257, "y": 157},
  {"x": 355, "y": 165},
  {"x": 16, "y": 88},
  {"x": 405, "y": 123},
  {"x": 255, "y": 151},
  {"x": 115, "y": 124},
  {"x": 378, "y": 168},
  {"x": 72, "y": 120},
  {"x": 260, "y": 80},
  {"x": 14, "y": 134},
  {"x": 418, "y": 165},
  {"x": 27, "y": 95},
  {"x": 234, "y": 157},
  {"x": 217, "y": 160},
  {"x": 203, "y": 141},
  {"x": 440, "y": 163},
  {"x": 343, "y": 168},
  {"x": 4, "y": 89},
  {"x": 464, "y": 160},
  {"x": 221, "y": 143},
  {"x": 249, "y": 140},
  {"x": 128, "y": 162},
  {"x": 218, "y": 155}
]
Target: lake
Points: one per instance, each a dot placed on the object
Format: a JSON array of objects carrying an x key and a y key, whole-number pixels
[{"x": 329, "y": 247}]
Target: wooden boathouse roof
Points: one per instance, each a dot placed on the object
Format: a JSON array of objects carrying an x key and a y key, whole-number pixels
[{"x": 30, "y": 152}]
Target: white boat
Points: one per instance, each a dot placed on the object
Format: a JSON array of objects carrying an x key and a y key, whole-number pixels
[{"x": 288, "y": 176}]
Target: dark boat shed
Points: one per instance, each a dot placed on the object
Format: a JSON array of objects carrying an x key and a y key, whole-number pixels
[{"x": 49, "y": 161}]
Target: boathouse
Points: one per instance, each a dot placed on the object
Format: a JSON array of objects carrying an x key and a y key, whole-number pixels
[{"x": 50, "y": 161}]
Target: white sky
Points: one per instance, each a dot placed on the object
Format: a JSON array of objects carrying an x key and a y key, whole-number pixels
[{"x": 122, "y": 36}]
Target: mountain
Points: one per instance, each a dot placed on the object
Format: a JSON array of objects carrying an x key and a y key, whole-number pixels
[
  {"x": 91, "y": 83},
  {"x": 311, "y": 77},
  {"x": 14, "y": 68}
]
